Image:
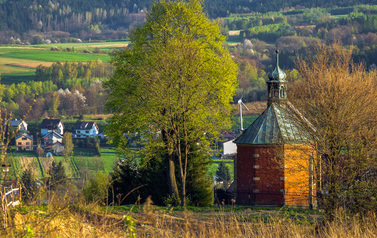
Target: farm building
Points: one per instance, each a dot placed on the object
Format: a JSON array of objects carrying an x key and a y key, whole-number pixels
[{"x": 274, "y": 155}]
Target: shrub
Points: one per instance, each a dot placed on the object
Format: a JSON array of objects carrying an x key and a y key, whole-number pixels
[{"x": 95, "y": 190}]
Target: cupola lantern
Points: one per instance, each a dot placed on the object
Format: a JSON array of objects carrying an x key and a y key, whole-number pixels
[{"x": 276, "y": 85}]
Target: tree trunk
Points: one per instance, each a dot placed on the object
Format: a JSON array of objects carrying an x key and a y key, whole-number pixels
[
  {"x": 172, "y": 181},
  {"x": 183, "y": 194},
  {"x": 173, "y": 188}
]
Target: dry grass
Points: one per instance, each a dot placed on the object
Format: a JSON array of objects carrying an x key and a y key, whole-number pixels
[
  {"x": 63, "y": 218},
  {"x": 255, "y": 108},
  {"x": 93, "y": 45},
  {"x": 29, "y": 163},
  {"x": 6, "y": 65},
  {"x": 46, "y": 162},
  {"x": 31, "y": 64},
  {"x": 234, "y": 33}
]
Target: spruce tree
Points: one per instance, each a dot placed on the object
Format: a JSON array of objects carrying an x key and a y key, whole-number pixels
[{"x": 222, "y": 173}]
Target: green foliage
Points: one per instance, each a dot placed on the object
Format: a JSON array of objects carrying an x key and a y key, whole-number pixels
[
  {"x": 29, "y": 186},
  {"x": 96, "y": 189},
  {"x": 269, "y": 33},
  {"x": 222, "y": 173},
  {"x": 199, "y": 182},
  {"x": 56, "y": 175},
  {"x": 359, "y": 198},
  {"x": 59, "y": 72},
  {"x": 68, "y": 144},
  {"x": 181, "y": 84},
  {"x": 129, "y": 224},
  {"x": 130, "y": 183}
]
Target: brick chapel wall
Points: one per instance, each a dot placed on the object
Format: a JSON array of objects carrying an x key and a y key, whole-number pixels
[
  {"x": 296, "y": 166},
  {"x": 259, "y": 175}
]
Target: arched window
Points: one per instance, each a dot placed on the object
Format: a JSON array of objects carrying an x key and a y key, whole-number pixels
[{"x": 282, "y": 92}]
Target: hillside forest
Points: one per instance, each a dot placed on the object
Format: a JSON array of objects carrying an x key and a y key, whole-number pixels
[{"x": 293, "y": 28}]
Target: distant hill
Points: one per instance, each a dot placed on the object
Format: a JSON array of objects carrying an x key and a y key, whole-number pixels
[{"x": 110, "y": 19}]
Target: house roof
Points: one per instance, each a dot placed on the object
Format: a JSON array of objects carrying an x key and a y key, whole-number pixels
[
  {"x": 278, "y": 124},
  {"x": 53, "y": 133},
  {"x": 84, "y": 125},
  {"x": 15, "y": 123},
  {"x": 24, "y": 135},
  {"x": 50, "y": 123},
  {"x": 57, "y": 143}
]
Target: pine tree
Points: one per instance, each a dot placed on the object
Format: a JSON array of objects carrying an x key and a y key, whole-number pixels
[
  {"x": 56, "y": 175},
  {"x": 222, "y": 173},
  {"x": 29, "y": 186}
]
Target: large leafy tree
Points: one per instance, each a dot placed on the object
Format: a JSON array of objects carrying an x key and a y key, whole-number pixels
[{"x": 175, "y": 79}]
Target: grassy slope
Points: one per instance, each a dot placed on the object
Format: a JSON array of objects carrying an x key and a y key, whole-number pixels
[
  {"x": 46, "y": 55},
  {"x": 19, "y": 55}
]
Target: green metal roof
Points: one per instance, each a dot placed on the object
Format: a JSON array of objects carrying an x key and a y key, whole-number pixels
[{"x": 278, "y": 124}]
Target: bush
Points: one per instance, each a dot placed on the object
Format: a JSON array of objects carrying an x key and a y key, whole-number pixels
[
  {"x": 56, "y": 175},
  {"x": 95, "y": 190},
  {"x": 29, "y": 186}
]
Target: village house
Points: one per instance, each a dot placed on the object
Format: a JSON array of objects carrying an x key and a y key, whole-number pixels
[
  {"x": 57, "y": 148},
  {"x": 52, "y": 125},
  {"x": 84, "y": 129},
  {"x": 19, "y": 125},
  {"x": 51, "y": 138},
  {"x": 229, "y": 149},
  {"x": 274, "y": 164},
  {"x": 24, "y": 142}
]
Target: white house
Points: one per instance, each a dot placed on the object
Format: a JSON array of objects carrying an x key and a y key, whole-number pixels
[
  {"x": 229, "y": 148},
  {"x": 19, "y": 125},
  {"x": 84, "y": 129},
  {"x": 52, "y": 125},
  {"x": 51, "y": 138}
]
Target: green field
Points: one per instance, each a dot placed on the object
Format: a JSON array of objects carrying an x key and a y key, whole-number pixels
[
  {"x": 45, "y": 55},
  {"x": 247, "y": 121},
  {"x": 101, "y": 45},
  {"x": 18, "y": 63},
  {"x": 86, "y": 161}
]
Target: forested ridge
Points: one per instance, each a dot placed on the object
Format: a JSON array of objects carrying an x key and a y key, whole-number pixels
[{"x": 92, "y": 16}]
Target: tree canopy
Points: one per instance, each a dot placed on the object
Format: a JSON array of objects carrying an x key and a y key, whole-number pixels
[{"x": 175, "y": 80}]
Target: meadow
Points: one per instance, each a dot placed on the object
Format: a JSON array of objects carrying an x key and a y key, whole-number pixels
[{"x": 18, "y": 63}]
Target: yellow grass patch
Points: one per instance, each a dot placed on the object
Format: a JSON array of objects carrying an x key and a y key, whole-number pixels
[
  {"x": 254, "y": 108},
  {"x": 31, "y": 64},
  {"x": 102, "y": 45},
  {"x": 13, "y": 65},
  {"x": 29, "y": 163},
  {"x": 234, "y": 33},
  {"x": 46, "y": 162}
]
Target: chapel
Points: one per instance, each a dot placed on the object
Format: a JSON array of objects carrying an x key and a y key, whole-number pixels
[{"x": 274, "y": 163}]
